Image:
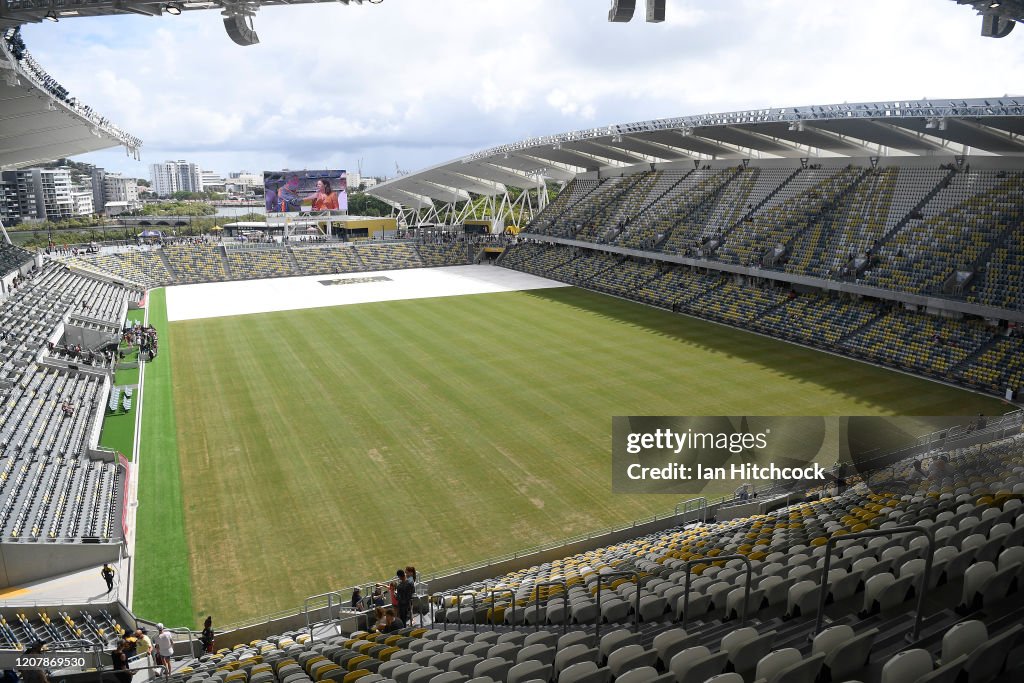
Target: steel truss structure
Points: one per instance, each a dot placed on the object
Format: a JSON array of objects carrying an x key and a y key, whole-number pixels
[
  {"x": 237, "y": 14},
  {"x": 40, "y": 119},
  {"x": 940, "y": 128}
]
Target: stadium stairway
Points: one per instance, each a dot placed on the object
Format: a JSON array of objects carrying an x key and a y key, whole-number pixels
[
  {"x": 917, "y": 208},
  {"x": 292, "y": 262},
  {"x": 227, "y": 263},
  {"x": 168, "y": 266}
]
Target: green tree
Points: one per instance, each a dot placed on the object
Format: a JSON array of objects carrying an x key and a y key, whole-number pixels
[{"x": 361, "y": 204}]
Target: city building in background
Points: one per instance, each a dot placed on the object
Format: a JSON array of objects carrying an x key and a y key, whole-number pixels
[{"x": 175, "y": 176}]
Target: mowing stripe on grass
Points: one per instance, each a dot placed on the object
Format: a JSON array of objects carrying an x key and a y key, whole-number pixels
[
  {"x": 325, "y": 447},
  {"x": 163, "y": 588}
]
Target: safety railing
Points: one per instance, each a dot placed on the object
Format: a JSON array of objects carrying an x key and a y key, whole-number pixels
[
  {"x": 155, "y": 672},
  {"x": 191, "y": 641},
  {"x": 718, "y": 558},
  {"x": 473, "y": 601},
  {"x": 698, "y": 504},
  {"x": 925, "y": 578},
  {"x": 636, "y": 608},
  {"x": 565, "y": 603},
  {"x": 457, "y": 601},
  {"x": 330, "y": 595},
  {"x": 512, "y": 603},
  {"x": 421, "y": 593}
]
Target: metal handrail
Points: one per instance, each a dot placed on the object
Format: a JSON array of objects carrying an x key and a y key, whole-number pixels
[
  {"x": 422, "y": 590},
  {"x": 502, "y": 591},
  {"x": 161, "y": 672},
  {"x": 459, "y": 597},
  {"x": 565, "y": 602},
  {"x": 190, "y": 632},
  {"x": 925, "y": 578},
  {"x": 718, "y": 558},
  {"x": 473, "y": 598},
  {"x": 699, "y": 504},
  {"x": 636, "y": 611},
  {"x": 330, "y": 606}
]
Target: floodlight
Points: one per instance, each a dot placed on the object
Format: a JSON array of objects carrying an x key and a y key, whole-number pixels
[
  {"x": 173, "y": 8},
  {"x": 52, "y": 16}
]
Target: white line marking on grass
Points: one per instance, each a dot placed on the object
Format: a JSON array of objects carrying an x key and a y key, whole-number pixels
[{"x": 133, "y": 497}]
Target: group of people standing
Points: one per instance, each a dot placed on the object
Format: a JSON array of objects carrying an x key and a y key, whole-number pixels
[
  {"x": 139, "y": 645},
  {"x": 143, "y": 337},
  {"x": 393, "y": 610}
]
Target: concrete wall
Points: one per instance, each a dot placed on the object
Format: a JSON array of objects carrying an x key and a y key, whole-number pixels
[
  {"x": 86, "y": 337},
  {"x": 22, "y": 563}
]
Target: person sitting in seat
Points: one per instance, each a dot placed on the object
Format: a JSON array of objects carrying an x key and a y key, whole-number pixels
[
  {"x": 380, "y": 620},
  {"x": 939, "y": 469},
  {"x": 916, "y": 474},
  {"x": 391, "y": 622}
]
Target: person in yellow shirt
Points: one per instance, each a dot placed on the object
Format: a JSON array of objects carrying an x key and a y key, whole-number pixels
[{"x": 144, "y": 647}]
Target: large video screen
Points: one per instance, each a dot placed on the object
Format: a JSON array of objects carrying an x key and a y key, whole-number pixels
[{"x": 299, "y": 191}]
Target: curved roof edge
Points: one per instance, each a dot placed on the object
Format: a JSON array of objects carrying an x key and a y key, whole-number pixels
[
  {"x": 41, "y": 120},
  {"x": 990, "y": 127}
]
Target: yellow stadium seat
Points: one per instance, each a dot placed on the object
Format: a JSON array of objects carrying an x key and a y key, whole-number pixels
[{"x": 354, "y": 663}]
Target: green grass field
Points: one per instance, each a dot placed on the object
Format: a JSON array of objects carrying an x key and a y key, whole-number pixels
[
  {"x": 163, "y": 587},
  {"x": 326, "y": 447},
  {"x": 118, "y": 430}
]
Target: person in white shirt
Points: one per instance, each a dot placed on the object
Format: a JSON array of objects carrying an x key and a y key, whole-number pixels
[{"x": 164, "y": 649}]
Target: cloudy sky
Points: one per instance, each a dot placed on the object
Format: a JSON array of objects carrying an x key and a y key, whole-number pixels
[{"x": 418, "y": 82}]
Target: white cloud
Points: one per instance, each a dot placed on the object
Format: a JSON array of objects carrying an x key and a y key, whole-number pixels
[{"x": 418, "y": 82}]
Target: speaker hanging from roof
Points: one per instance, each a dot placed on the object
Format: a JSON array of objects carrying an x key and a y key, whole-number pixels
[
  {"x": 240, "y": 30},
  {"x": 622, "y": 10},
  {"x": 655, "y": 11},
  {"x": 996, "y": 26}
]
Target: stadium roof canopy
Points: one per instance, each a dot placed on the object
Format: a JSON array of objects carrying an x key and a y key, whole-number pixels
[
  {"x": 237, "y": 14},
  {"x": 40, "y": 120},
  {"x": 992, "y": 126},
  {"x": 998, "y": 16}
]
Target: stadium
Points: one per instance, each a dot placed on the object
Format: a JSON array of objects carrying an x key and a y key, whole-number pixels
[{"x": 261, "y": 422}]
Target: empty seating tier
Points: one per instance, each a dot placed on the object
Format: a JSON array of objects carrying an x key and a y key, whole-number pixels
[{"x": 972, "y": 352}]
